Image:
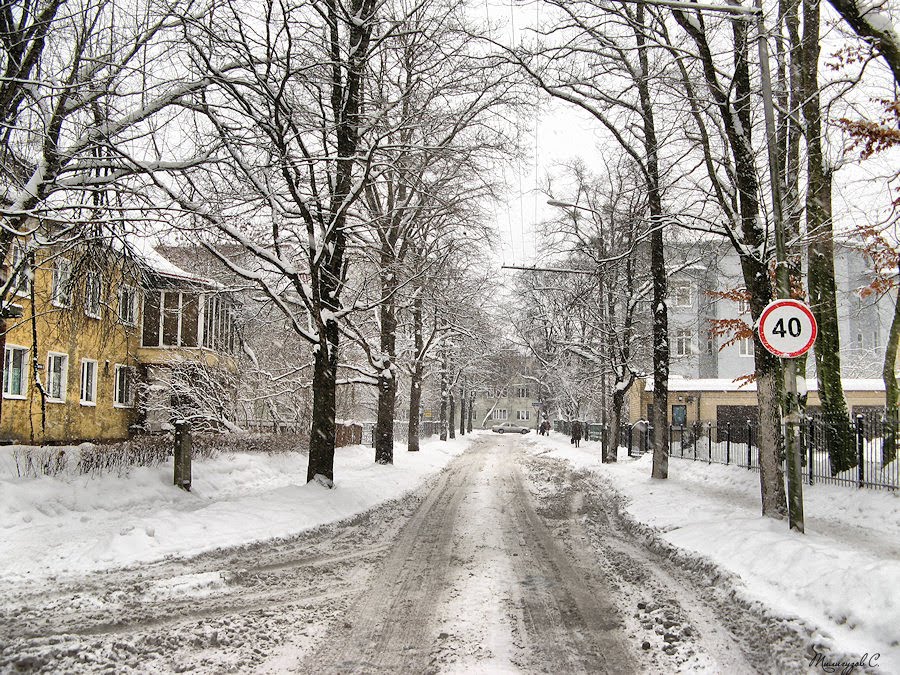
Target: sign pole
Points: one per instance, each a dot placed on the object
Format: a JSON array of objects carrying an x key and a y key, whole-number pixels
[
  {"x": 791, "y": 401},
  {"x": 787, "y": 329}
]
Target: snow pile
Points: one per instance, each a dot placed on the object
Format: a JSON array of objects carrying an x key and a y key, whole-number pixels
[
  {"x": 841, "y": 576},
  {"x": 66, "y": 524}
]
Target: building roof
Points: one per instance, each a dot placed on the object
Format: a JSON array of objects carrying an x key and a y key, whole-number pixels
[{"x": 162, "y": 266}]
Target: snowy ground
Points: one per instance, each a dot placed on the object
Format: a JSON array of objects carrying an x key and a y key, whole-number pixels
[
  {"x": 838, "y": 582},
  {"x": 75, "y": 524},
  {"x": 842, "y": 577}
]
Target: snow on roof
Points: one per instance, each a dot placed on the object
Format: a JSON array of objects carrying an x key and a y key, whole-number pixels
[
  {"x": 725, "y": 384},
  {"x": 161, "y": 265}
]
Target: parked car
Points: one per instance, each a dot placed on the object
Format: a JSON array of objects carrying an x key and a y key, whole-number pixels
[{"x": 510, "y": 428}]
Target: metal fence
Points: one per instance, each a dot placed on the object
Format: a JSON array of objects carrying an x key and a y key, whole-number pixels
[{"x": 861, "y": 452}]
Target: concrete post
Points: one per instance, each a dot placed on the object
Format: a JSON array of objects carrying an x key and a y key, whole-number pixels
[{"x": 183, "y": 444}]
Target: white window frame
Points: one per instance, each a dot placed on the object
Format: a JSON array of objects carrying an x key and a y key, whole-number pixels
[
  {"x": 522, "y": 391},
  {"x": 684, "y": 342},
  {"x": 91, "y": 399},
  {"x": 745, "y": 347},
  {"x": 129, "y": 403},
  {"x": 743, "y": 305},
  {"x": 93, "y": 295},
  {"x": 124, "y": 291},
  {"x": 7, "y": 379},
  {"x": 63, "y": 380},
  {"x": 523, "y": 415},
  {"x": 61, "y": 286},
  {"x": 21, "y": 282},
  {"x": 500, "y": 414},
  {"x": 679, "y": 288}
]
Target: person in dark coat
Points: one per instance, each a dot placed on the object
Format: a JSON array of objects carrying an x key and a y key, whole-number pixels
[{"x": 577, "y": 430}]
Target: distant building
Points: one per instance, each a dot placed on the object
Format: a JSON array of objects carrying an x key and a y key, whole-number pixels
[{"x": 713, "y": 267}]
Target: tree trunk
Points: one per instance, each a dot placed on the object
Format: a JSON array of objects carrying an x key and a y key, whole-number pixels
[
  {"x": 387, "y": 377},
  {"x": 822, "y": 293},
  {"x": 462, "y": 410},
  {"x": 470, "y": 411},
  {"x": 657, "y": 265},
  {"x": 444, "y": 395},
  {"x": 322, "y": 434},
  {"x": 452, "y": 418},
  {"x": 415, "y": 385},
  {"x": 611, "y": 449},
  {"x": 891, "y": 390}
]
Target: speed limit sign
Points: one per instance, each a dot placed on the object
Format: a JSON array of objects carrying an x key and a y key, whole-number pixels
[{"x": 787, "y": 328}]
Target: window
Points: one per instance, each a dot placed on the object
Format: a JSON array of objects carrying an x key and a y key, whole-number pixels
[
  {"x": 57, "y": 376},
  {"x": 709, "y": 347},
  {"x": 679, "y": 415},
  {"x": 88, "y": 382},
  {"x": 128, "y": 305},
  {"x": 681, "y": 293},
  {"x": 502, "y": 392},
  {"x": 61, "y": 293},
  {"x": 522, "y": 392},
  {"x": 682, "y": 342},
  {"x": 15, "y": 371},
  {"x": 523, "y": 414},
  {"x": 859, "y": 340},
  {"x": 499, "y": 414},
  {"x": 20, "y": 281},
  {"x": 124, "y": 393},
  {"x": 93, "y": 292},
  {"x": 745, "y": 347}
]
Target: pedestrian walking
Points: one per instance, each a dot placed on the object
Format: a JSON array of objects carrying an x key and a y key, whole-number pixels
[{"x": 577, "y": 430}]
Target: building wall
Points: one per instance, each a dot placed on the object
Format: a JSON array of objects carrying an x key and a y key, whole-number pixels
[
  {"x": 69, "y": 331},
  {"x": 714, "y": 267},
  {"x": 506, "y": 398}
]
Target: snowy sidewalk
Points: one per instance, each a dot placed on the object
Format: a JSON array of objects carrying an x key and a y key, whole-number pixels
[
  {"x": 75, "y": 524},
  {"x": 842, "y": 576}
]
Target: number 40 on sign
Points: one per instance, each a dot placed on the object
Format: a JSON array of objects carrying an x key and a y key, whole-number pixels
[{"x": 787, "y": 328}]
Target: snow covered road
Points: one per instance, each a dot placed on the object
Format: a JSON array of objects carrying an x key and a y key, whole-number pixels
[{"x": 505, "y": 562}]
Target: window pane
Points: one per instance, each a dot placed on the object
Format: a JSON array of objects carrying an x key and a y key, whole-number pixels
[
  {"x": 88, "y": 380},
  {"x": 150, "y": 337},
  {"x": 171, "y": 304},
  {"x": 190, "y": 310}
]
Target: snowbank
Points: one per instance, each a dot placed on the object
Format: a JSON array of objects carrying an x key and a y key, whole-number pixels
[
  {"x": 841, "y": 576},
  {"x": 66, "y": 524}
]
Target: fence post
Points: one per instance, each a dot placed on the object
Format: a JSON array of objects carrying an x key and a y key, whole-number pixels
[
  {"x": 727, "y": 442},
  {"x": 629, "y": 436},
  {"x": 647, "y": 438},
  {"x": 810, "y": 444},
  {"x": 694, "y": 439},
  {"x": 860, "y": 447},
  {"x": 749, "y": 446},
  {"x": 709, "y": 442},
  {"x": 671, "y": 447},
  {"x": 183, "y": 455}
]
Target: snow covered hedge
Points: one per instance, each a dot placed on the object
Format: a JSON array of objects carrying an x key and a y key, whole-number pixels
[{"x": 26, "y": 461}]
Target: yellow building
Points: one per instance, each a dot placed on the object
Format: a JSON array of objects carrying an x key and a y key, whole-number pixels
[
  {"x": 722, "y": 400},
  {"x": 93, "y": 322}
]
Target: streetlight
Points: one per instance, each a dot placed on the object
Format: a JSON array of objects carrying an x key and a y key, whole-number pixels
[{"x": 579, "y": 207}]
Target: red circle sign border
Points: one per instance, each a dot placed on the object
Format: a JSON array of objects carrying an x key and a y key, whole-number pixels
[{"x": 787, "y": 302}]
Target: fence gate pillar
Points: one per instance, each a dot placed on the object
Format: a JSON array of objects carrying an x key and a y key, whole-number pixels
[{"x": 183, "y": 446}]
